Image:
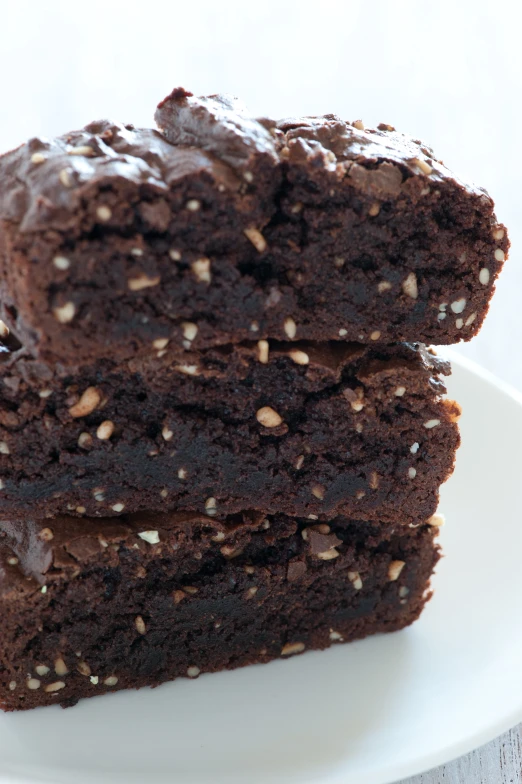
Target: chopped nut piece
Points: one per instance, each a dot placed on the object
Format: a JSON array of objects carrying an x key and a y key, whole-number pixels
[
  {"x": 4, "y": 330},
  {"x": 409, "y": 285},
  {"x": 499, "y": 254},
  {"x": 190, "y": 330},
  {"x": 201, "y": 269},
  {"x": 42, "y": 670},
  {"x": 33, "y": 683},
  {"x": 339, "y": 262},
  {"x": 229, "y": 551},
  {"x": 211, "y": 506},
  {"x": 190, "y": 589},
  {"x": 166, "y": 433},
  {"x": 65, "y": 178},
  {"x": 12, "y": 561},
  {"x": 37, "y": 157},
  {"x": 12, "y": 685},
  {"x": 431, "y": 423},
  {"x": 178, "y": 596},
  {"x": 437, "y": 520},
  {"x": 375, "y": 335},
  {"x": 82, "y": 149},
  {"x": 105, "y": 430},
  {"x": 140, "y": 625},
  {"x": 84, "y": 440},
  {"x": 112, "y": 680},
  {"x": 343, "y": 332},
  {"x": 290, "y": 327},
  {"x": 394, "y": 570},
  {"x": 423, "y": 166},
  {"x": 399, "y": 391},
  {"x": 89, "y": 400},
  {"x": 412, "y": 473},
  {"x": 65, "y": 313},
  {"x": 182, "y": 473},
  {"x": 56, "y": 686},
  {"x": 374, "y": 209},
  {"x": 83, "y": 668},
  {"x": 292, "y": 647},
  {"x": 115, "y": 507},
  {"x": 328, "y": 555},
  {"x": 104, "y": 213},
  {"x": 160, "y": 343},
  {"x": 175, "y": 255},
  {"x": 257, "y": 239},
  {"x": 4, "y": 448},
  {"x": 251, "y": 592},
  {"x": 267, "y": 417},
  {"x": 459, "y": 323},
  {"x": 414, "y": 448},
  {"x": 262, "y": 351},
  {"x": 318, "y": 491},
  {"x": 498, "y": 234},
  {"x": 335, "y": 636},
  {"x": 94, "y": 680},
  {"x": 188, "y": 370},
  {"x": 355, "y": 579},
  {"x": 193, "y": 672},
  {"x": 60, "y": 667},
  {"x": 358, "y": 124},
  {"x": 193, "y": 205},
  {"x": 299, "y": 462},
  {"x": 143, "y": 282},
  {"x": 383, "y": 286},
  {"x": 152, "y": 537},
  {"x": 470, "y": 319},
  {"x": 61, "y": 263},
  {"x": 459, "y": 305}
]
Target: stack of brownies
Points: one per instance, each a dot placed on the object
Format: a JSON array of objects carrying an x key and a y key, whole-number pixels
[{"x": 221, "y": 435}]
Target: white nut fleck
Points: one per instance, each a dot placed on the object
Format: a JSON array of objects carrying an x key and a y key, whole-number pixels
[
  {"x": 104, "y": 213},
  {"x": 459, "y": 323},
  {"x": 4, "y": 330},
  {"x": 355, "y": 579},
  {"x": 470, "y": 319},
  {"x": 193, "y": 671},
  {"x": 383, "y": 286},
  {"x": 263, "y": 351},
  {"x": 37, "y": 157},
  {"x": 166, "y": 433},
  {"x": 335, "y": 636},
  {"x": 182, "y": 473},
  {"x": 484, "y": 276},
  {"x": 190, "y": 330},
  {"x": 292, "y": 647},
  {"x": 498, "y": 234},
  {"x": 139, "y": 623},
  {"x": 458, "y": 305},
  {"x": 193, "y": 205},
  {"x": 414, "y": 448},
  {"x": 12, "y": 561},
  {"x": 12, "y": 685},
  {"x": 328, "y": 555},
  {"x": 105, "y": 430},
  {"x": 268, "y": 417},
  {"x": 409, "y": 285},
  {"x": 431, "y": 423},
  {"x": 399, "y": 391},
  {"x": 375, "y": 335},
  {"x": 33, "y": 683},
  {"x": 46, "y": 535},
  {"x": 374, "y": 209},
  {"x": 4, "y": 448},
  {"x": 160, "y": 343},
  {"x": 257, "y": 239},
  {"x": 219, "y": 536},
  {"x": 412, "y": 473},
  {"x": 343, "y": 332},
  {"x": 60, "y": 666},
  {"x": 201, "y": 269},
  {"x": 82, "y": 149},
  {"x": 299, "y": 357},
  {"x": 290, "y": 328},
  {"x": 437, "y": 520},
  {"x": 56, "y": 686},
  {"x": 423, "y": 166},
  {"x": 394, "y": 570},
  {"x": 84, "y": 440},
  {"x": 89, "y": 400},
  {"x": 499, "y": 254},
  {"x": 94, "y": 679},
  {"x": 143, "y": 282},
  {"x": 441, "y": 316},
  {"x": 61, "y": 262},
  {"x": 211, "y": 506},
  {"x": 65, "y": 178},
  {"x": 117, "y": 507},
  {"x": 83, "y": 668},
  {"x": 152, "y": 537},
  {"x": 112, "y": 680},
  {"x": 65, "y": 313},
  {"x": 42, "y": 670},
  {"x": 188, "y": 370},
  {"x": 174, "y": 254}
]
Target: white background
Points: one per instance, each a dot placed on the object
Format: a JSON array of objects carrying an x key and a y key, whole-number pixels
[{"x": 448, "y": 71}]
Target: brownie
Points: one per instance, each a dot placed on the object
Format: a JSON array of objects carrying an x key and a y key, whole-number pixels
[
  {"x": 314, "y": 228},
  {"x": 298, "y": 428},
  {"x": 99, "y": 605}
]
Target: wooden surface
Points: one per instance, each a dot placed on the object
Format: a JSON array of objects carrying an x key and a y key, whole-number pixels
[{"x": 500, "y": 762}]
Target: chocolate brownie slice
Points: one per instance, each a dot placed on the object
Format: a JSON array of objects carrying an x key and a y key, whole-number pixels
[
  {"x": 113, "y": 237},
  {"x": 98, "y": 605},
  {"x": 298, "y": 428}
]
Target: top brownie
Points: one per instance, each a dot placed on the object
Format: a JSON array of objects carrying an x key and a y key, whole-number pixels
[{"x": 220, "y": 227}]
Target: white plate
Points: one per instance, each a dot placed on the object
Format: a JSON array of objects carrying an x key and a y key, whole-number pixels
[{"x": 367, "y": 713}]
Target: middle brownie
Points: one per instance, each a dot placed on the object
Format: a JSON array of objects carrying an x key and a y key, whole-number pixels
[{"x": 302, "y": 429}]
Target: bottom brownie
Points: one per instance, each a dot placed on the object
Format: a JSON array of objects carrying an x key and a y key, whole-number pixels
[{"x": 91, "y": 606}]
